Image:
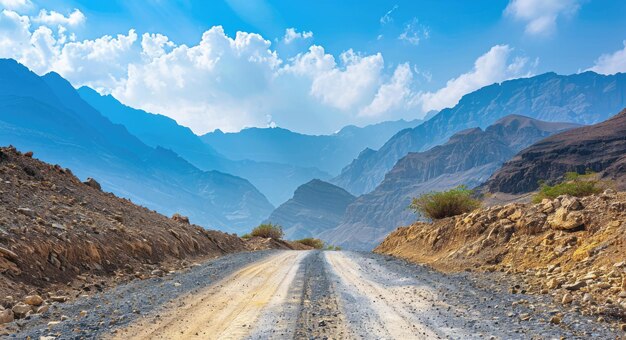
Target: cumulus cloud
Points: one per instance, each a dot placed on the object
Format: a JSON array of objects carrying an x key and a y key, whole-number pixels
[
  {"x": 611, "y": 63},
  {"x": 231, "y": 82},
  {"x": 541, "y": 16},
  {"x": 291, "y": 35},
  {"x": 492, "y": 67},
  {"x": 55, "y": 18}
]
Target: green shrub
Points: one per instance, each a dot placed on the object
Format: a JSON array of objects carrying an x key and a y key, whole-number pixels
[
  {"x": 574, "y": 184},
  {"x": 312, "y": 242},
  {"x": 246, "y": 236},
  {"x": 437, "y": 205},
  {"x": 331, "y": 247},
  {"x": 268, "y": 230}
]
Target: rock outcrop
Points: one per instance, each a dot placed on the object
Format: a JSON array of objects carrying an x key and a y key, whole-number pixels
[
  {"x": 600, "y": 148},
  {"x": 468, "y": 158},
  {"x": 316, "y": 206},
  {"x": 571, "y": 248}
]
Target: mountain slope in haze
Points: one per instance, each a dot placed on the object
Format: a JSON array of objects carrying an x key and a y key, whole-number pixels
[
  {"x": 468, "y": 158},
  {"x": 46, "y": 115},
  {"x": 585, "y": 98},
  {"x": 600, "y": 148},
  {"x": 276, "y": 181},
  {"x": 326, "y": 152},
  {"x": 316, "y": 206}
]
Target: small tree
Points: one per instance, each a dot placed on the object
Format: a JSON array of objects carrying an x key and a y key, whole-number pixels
[
  {"x": 437, "y": 205},
  {"x": 268, "y": 230}
]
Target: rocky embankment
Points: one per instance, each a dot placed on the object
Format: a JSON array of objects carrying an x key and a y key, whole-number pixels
[
  {"x": 572, "y": 249},
  {"x": 61, "y": 238}
]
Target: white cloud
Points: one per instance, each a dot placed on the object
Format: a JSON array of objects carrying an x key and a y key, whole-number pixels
[
  {"x": 392, "y": 95},
  {"x": 16, "y": 4},
  {"x": 541, "y": 16},
  {"x": 492, "y": 67},
  {"x": 414, "y": 32},
  {"x": 611, "y": 63},
  {"x": 291, "y": 35},
  {"x": 53, "y": 18},
  {"x": 233, "y": 82},
  {"x": 387, "y": 18}
]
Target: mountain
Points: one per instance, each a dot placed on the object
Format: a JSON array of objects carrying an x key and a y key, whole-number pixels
[
  {"x": 316, "y": 206},
  {"x": 600, "y": 148},
  {"x": 326, "y": 152},
  {"x": 46, "y": 115},
  {"x": 468, "y": 158},
  {"x": 584, "y": 98},
  {"x": 276, "y": 181}
]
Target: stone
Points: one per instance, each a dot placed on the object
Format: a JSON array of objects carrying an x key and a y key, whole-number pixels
[
  {"x": 58, "y": 298},
  {"x": 575, "y": 286},
  {"x": 6, "y": 253},
  {"x": 567, "y": 299},
  {"x": 553, "y": 284},
  {"x": 26, "y": 211},
  {"x": 157, "y": 272},
  {"x": 571, "y": 203},
  {"x": 21, "y": 310},
  {"x": 564, "y": 219},
  {"x": 93, "y": 183},
  {"x": 623, "y": 327},
  {"x": 33, "y": 300},
  {"x": 29, "y": 154},
  {"x": 555, "y": 320},
  {"x": 43, "y": 309},
  {"x": 6, "y": 316},
  {"x": 180, "y": 218}
]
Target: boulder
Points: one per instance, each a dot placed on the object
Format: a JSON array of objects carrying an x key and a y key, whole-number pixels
[
  {"x": 93, "y": 183},
  {"x": 21, "y": 310},
  {"x": 6, "y": 316},
  {"x": 33, "y": 300},
  {"x": 180, "y": 218},
  {"x": 564, "y": 219}
]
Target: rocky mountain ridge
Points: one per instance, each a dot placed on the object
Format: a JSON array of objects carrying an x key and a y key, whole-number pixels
[
  {"x": 468, "y": 158},
  {"x": 585, "y": 98},
  {"x": 600, "y": 148}
]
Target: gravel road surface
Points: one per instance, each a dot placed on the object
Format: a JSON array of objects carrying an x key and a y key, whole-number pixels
[{"x": 312, "y": 295}]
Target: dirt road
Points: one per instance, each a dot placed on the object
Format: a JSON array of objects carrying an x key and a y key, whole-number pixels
[{"x": 304, "y": 295}]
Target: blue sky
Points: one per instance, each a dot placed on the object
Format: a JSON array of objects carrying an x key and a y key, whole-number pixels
[{"x": 371, "y": 60}]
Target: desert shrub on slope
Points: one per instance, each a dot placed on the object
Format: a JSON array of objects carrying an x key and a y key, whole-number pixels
[
  {"x": 268, "y": 230},
  {"x": 312, "y": 242},
  {"x": 438, "y": 205},
  {"x": 575, "y": 185}
]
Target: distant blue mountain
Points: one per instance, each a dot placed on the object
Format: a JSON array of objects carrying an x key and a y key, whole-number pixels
[
  {"x": 584, "y": 98},
  {"x": 329, "y": 153},
  {"x": 277, "y": 181},
  {"x": 46, "y": 115}
]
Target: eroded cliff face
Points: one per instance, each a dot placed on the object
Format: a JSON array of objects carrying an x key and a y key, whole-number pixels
[
  {"x": 600, "y": 148},
  {"x": 468, "y": 158},
  {"x": 573, "y": 249}
]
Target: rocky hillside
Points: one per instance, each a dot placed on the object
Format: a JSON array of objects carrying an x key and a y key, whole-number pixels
[
  {"x": 47, "y": 115},
  {"x": 571, "y": 249},
  {"x": 316, "y": 206},
  {"x": 468, "y": 158},
  {"x": 600, "y": 148},
  {"x": 585, "y": 98},
  {"x": 60, "y": 237}
]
